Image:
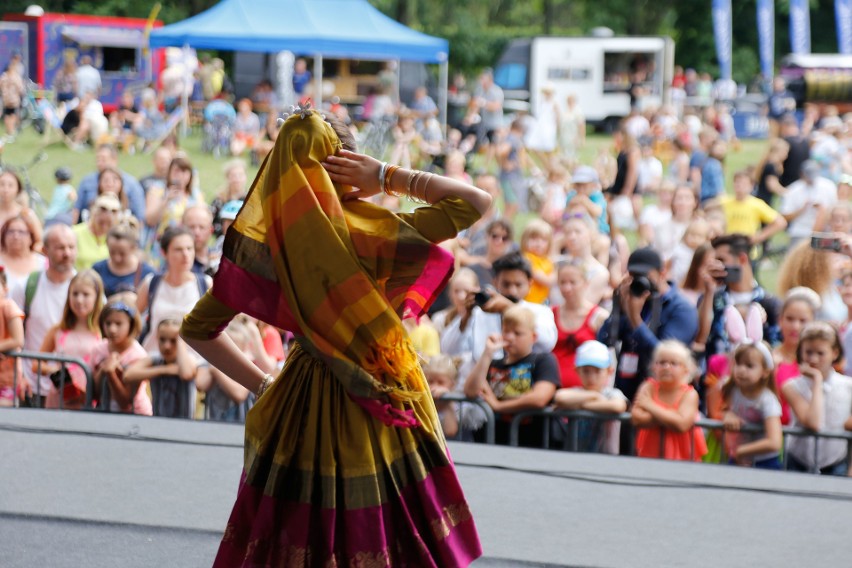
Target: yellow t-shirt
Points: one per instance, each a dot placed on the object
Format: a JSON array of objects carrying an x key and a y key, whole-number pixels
[
  {"x": 745, "y": 217},
  {"x": 90, "y": 249},
  {"x": 538, "y": 292}
]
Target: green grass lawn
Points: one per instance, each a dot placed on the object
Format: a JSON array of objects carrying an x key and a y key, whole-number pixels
[{"x": 29, "y": 143}]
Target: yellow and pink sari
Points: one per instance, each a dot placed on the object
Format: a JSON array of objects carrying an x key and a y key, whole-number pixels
[{"x": 345, "y": 461}]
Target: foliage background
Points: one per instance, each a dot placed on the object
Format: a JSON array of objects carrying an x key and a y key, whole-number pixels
[{"x": 479, "y": 29}]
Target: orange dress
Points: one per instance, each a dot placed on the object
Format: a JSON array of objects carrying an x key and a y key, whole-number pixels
[{"x": 685, "y": 446}]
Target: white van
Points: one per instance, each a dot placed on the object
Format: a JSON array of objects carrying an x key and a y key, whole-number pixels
[{"x": 600, "y": 71}]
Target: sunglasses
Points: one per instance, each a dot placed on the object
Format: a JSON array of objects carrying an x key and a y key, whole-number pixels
[{"x": 103, "y": 209}]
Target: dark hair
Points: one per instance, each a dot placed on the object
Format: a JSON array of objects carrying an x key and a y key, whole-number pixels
[
  {"x": 122, "y": 196},
  {"x": 129, "y": 311},
  {"x": 511, "y": 261},
  {"x": 692, "y": 281},
  {"x": 342, "y": 131},
  {"x": 182, "y": 164},
  {"x": 126, "y": 230},
  {"x": 767, "y": 380},
  {"x": 503, "y": 224},
  {"x": 738, "y": 243},
  {"x": 171, "y": 234},
  {"x": 820, "y": 331}
]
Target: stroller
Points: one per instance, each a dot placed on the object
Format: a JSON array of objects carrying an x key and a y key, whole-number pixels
[{"x": 219, "y": 117}]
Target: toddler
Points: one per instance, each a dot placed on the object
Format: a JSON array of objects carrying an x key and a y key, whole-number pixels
[
  {"x": 64, "y": 197},
  {"x": 667, "y": 406},
  {"x": 441, "y": 375},
  {"x": 536, "y": 241},
  {"x": 595, "y": 368}
]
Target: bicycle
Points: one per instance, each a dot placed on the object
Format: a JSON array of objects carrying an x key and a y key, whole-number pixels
[
  {"x": 30, "y": 112},
  {"x": 36, "y": 201}
]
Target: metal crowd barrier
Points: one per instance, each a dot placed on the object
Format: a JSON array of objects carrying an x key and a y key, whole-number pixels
[
  {"x": 569, "y": 441},
  {"x": 490, "y": 420},
  {"x": 64, "y": 361}
]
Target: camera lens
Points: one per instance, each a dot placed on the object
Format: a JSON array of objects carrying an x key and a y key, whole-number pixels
[{"x": 640, "y": 285}]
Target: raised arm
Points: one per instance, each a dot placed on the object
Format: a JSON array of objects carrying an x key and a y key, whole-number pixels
[{"x": 362, "y": 173}]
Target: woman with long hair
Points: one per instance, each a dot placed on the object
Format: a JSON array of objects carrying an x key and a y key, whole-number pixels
[{"x": 351, "y": 408}]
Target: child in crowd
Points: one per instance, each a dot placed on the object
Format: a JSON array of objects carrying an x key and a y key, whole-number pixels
[
  {"x": 536, "y": 241},
  {"x": 697, "y": 233},
  {"x": 64, "y": 197},
  {"x": 586, "y": 192},
  {"x": 595, "y": 368},
  {"x": 667, "y": 406},
  {"x": 577, "y": 319},
  {"x": 76, "y": 335},
  {"x": 748, "y": 215},
  {"x": 226, "y": 215},
  {"x": 521, "y": 380},
  {"x": 120, "y": 327},
  {"x": 750, "y": 399},
  {"x": 654, "y": 214},
  {"x": 170, "y": 371},
  {"x": 798, "y": 310},
  {"x": 404, "y": 135},
  {"x": 225, "y": 399},
  {"x": 821, "y": 400},
  {"x": 11, "y": 338},
  {"x": 441, "y": 375}
]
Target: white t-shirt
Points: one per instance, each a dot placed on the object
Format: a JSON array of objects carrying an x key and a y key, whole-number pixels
[
  {"x": 649, "y": 174},
  {"x": 46, "y": 308},
  {"x": 823, "y": 192},
  {"x": 754, "y": 413},
  {"x": 837, "y": 399}
]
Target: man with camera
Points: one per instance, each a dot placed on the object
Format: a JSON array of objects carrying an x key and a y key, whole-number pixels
[
  {"x": 646, "y": 310},
  {"x": 729, "y": 281}
]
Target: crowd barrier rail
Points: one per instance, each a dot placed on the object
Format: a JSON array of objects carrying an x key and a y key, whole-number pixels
[
  {"x": 490, "y": 419},
  {"x": 570, "y": 440},
  {"x": 26, "y": 356}
]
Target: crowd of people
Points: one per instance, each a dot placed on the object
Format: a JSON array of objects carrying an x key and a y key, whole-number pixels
[{"x": 625, "y": 283}]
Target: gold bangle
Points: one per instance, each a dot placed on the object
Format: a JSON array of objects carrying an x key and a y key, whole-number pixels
[
  {"x": 426, "y": 188},
  {"x": 386, "y": 183},
  {"x": 264, "y": 385},
  {"x": 411, "y": 175},
  {"x": 417, "y": 197}
]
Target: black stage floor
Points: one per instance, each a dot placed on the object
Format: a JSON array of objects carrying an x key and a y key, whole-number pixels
[{"x": 91, "y": 490}]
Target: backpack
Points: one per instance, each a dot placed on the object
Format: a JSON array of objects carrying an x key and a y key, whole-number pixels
[
  {"x": 152, "y": 291},
  {"x": 29, "y": 291}
]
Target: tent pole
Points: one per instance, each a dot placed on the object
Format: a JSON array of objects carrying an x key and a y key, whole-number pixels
[
  {"x": 318, "y": 81},
  {"x": 443, "y": 86}
]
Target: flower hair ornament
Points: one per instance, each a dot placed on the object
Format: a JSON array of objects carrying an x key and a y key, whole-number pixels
[
  {"x": 748, "y": 331},
  {"x": 302, "y": 110}
]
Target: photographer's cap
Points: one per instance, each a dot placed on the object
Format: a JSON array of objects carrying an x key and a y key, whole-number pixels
[
  {"x": 644, "y": 260},
  {"x": 593, "y": 354}
]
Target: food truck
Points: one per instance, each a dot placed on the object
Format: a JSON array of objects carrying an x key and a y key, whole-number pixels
[{"x": 117, "y": 47}]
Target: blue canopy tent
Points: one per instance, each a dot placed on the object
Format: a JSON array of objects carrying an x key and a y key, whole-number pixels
[{"x": 350, "y": 29}]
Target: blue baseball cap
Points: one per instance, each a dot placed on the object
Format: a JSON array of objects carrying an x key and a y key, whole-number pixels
[{"x": 593, "y": 354}]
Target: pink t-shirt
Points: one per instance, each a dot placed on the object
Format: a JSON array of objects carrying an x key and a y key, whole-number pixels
[
  {"x": 783, "y": 373},
  {"x": 141, "y": 400},
  {"x": 73, "y": 343}
]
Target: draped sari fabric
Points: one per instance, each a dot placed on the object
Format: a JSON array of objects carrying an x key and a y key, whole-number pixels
[{"x": 341, "y": 274}]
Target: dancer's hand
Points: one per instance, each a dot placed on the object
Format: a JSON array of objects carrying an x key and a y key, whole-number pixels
[{"x": 358, "y": 170}]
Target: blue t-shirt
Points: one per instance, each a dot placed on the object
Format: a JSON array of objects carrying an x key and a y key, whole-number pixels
[
  {"x": 712, "y": 179},
  {"x": 300, "y": 81},
  {"x": 598, "y": 199},
  {"x": 114, "y": 283}
]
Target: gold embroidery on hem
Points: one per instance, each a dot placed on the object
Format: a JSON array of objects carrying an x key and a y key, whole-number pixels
[{"x": 452, "y": 515}]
